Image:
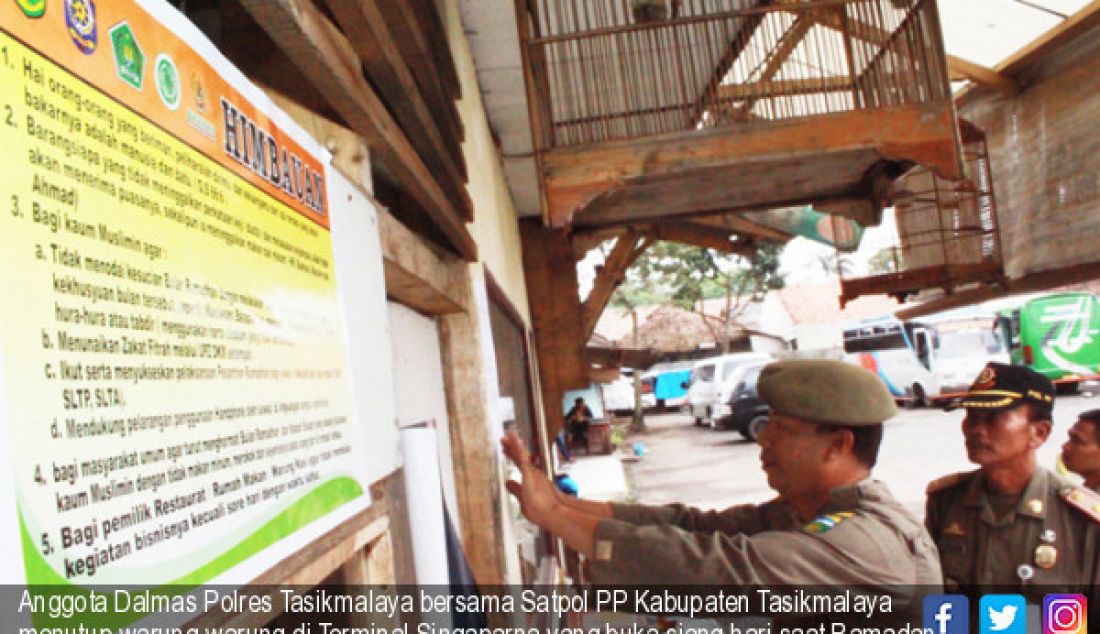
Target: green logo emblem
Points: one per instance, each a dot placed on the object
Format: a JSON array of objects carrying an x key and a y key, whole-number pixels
[
  {"x": 168, "y": 81},
  {"x": 32, "y": 8},
  {"x": 129, "y": 60}
]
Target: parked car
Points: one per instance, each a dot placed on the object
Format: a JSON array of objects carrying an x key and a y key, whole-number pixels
[
  {"x": 742, "y": 409},
  {"x": 710, "y": 376}
]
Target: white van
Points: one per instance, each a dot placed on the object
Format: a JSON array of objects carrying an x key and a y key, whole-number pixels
[{"x": 710, "y": 378}]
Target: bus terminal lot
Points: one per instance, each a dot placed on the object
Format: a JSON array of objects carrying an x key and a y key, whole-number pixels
[{"x": 714, "y": 469}]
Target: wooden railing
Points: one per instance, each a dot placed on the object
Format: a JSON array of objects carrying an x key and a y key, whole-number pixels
[{"x": 596, "y": 74}]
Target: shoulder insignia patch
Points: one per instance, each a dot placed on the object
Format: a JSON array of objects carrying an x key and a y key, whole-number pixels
[
  {"x": 946, "y": 482},
  {"x": 1083, "y": 500},
  {"x": 826, "y": 523}
]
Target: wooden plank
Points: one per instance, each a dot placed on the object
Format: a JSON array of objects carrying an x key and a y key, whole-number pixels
[
  {"x": 365, "y": 27},
  {"x": 416, "y": 276},
  {"x": 478, "y": 485},
  {"x": 704, "y": 236},
  {"x": 608, "y": 277},
  {"x": 1033, "y": 283},
  {"x": 414, "y": 39},
  {"x": 435, "y": 38},
  {"x": 577, "y": 177},
  {"x": 327, "y": 59},
  {"x": 782, "y": 88},
  {"x": 959, "y": 68}
]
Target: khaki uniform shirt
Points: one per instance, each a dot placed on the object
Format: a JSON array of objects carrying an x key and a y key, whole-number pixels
[
  {"x": 863, "y": 537},
  {"x": 1046, "y": 543}
]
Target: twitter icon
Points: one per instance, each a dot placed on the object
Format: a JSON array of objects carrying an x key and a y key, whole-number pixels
[{"x": 1002, "y": 614}]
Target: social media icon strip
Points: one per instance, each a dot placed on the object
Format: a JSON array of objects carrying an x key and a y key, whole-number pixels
[
  {"x": 1002, "y": 614},
  {"x": 946, "y": 614},
  {"x": 1065, "y": 614}
]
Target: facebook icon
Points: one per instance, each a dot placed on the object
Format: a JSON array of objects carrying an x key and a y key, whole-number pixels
[{"x": 946, "y": 614}]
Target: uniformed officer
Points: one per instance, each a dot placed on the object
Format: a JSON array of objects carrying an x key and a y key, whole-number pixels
[
  {"x": 1011, "y": 523},
  {"x": 1081, "y": 451},
  {"x": 831, "y": 524}
]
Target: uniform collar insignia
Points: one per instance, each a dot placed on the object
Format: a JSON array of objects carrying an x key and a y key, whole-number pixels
[{"x": 826, "y": 523}]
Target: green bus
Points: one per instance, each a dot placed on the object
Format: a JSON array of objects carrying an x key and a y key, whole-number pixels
[{"x": 1055, "y": 335}]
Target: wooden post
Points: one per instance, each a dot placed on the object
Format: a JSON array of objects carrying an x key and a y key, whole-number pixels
[
  {"x": 473, "y": 451},
  {"x": 551, "y": 274}
]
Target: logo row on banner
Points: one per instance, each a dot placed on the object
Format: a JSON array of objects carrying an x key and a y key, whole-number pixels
[{"x": 129, "y": 58}]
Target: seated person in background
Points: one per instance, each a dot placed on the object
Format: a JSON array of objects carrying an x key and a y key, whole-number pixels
[{"x": 577, "y": 420}]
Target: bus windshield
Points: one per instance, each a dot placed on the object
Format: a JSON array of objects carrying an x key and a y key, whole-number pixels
[{"x": 960, "y": 345}]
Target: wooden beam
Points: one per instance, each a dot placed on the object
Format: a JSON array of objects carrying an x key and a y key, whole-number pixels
[
  {"x": 577, "y": 177},
  {"x": 782, "y": 87},
  {"x": 705, "y": 237},
  {"x": 735, "y": 223},
  {"x": 959, "y": 69},
  {"x": 783, "y": 50},
  {"x": 585, "y": 241},
  {"x": 737, "y": 46},
  {"x": 1085, "y": 18},
  {"x": 366, "y": 28},
  {"x": 325, "y": 56},
  {"x": 1035, "y": 282},
  {"x": 609, "y": 277}
]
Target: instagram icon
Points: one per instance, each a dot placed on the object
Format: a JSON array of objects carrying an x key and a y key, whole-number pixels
[{"x": 1064, "y": 614}]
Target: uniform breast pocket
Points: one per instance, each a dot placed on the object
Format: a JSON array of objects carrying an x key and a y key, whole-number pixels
[{"x": 955, "y": 558}]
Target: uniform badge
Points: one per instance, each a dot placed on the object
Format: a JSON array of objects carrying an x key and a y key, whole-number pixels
[
  {"x": 986, "y": 379},
  {"x": 1046, "y": 556},
  {"x": 1035, "y": 506},
  {"x": 1048, "y": 536},
  {"x": 826, "y": 523},
  {"x": 955, "y": 529}
]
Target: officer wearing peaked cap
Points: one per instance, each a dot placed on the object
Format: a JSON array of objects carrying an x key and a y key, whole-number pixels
[
  {"x": 1011, "y": 523},
  {"x": 831, "y": 524}
]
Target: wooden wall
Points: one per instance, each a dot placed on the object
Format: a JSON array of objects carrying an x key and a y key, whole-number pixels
[{"x": 1044, "y": 144}]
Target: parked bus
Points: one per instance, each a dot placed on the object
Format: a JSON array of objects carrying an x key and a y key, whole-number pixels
[
  {"x": 926, "y": 360},
  {"x": 1055, "y": 335}
]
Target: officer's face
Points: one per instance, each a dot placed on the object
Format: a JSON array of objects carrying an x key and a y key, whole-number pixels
[
  {"x": 791, "y": 452},
  {"x": 1081, "y": 452},
  {"x": 1000, "y": 437}
]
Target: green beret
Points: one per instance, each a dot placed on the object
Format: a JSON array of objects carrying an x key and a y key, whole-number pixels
[{"x": 826, "y": 391}]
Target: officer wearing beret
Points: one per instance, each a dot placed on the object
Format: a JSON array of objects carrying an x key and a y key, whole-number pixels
[
  {"x": 1012, "y": 523},
  {"x": 831, "y": 524}
]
